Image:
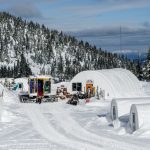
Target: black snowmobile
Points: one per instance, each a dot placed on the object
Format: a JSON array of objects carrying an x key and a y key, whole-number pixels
[{"x": 74, "y": 100}]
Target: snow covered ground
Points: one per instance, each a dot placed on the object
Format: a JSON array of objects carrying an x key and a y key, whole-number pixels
[{"x": 59, "y": 126}]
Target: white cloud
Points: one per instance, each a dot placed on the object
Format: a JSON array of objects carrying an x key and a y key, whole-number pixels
[
  {"x": 26, "y": 10},
  {"x": 108, "y": 6}
]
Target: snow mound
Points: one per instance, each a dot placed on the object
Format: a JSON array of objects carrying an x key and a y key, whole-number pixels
[
  {"x": 7, "y": 116},
  {"x": 98, "y": 104},
  {"x": 116, "y": 124},
  {"x": 121, "y": 131}
]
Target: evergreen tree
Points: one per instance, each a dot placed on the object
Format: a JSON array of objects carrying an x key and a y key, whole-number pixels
[
  {"x": 64, "y": 55},
  {"x": 146, "y": 70},
  {"x": 24, "y": 67}
]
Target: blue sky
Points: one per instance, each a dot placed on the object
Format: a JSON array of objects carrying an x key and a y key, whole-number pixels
[{"x": 97, "y": 21}]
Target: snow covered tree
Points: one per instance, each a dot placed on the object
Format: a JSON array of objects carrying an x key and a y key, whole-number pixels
[
  {"x": 146, "y": 69},
  {"x": 43, "y": 46}
]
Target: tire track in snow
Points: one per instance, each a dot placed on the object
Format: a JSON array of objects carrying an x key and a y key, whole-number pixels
[
  {"x": 41, "y": 124},
  {"x": 94, "y": 140},
  {"x": 10, "y": 136},
  {"x": 65, "y": 122}
]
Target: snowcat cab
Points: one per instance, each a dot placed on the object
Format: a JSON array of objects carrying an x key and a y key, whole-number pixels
[{"x": 38, "y": 87}]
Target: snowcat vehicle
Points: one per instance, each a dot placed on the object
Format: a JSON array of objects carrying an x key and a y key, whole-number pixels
[{"x": 39, "y": 87}]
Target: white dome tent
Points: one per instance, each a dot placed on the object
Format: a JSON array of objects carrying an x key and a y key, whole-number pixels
[
  {"x": 116, "y": 83},
  {"x": 121, "y": 107},
  {"x": 139, "y": 116}
]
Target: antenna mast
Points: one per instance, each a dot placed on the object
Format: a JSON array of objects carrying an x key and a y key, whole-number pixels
[{"x": 120, "y": 39}]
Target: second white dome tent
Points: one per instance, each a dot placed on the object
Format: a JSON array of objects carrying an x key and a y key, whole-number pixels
[{"x": 139, "y": 116}]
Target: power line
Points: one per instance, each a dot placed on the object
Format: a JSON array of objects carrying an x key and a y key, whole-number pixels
[{"x": 145, "y": 33}]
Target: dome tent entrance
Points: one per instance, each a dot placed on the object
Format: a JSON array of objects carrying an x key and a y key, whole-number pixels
[
  {"x": 116, "y": 83},
  {"x": 139, "y": 116}
]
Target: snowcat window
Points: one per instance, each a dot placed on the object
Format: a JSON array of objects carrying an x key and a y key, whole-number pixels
[
  {"x": 32, "y": 86},
  {"x": 35, "y": 85},
  {"x": 47, "y": 87}
]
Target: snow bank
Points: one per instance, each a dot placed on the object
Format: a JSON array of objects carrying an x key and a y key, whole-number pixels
[
  {"x": 7, "y": 116},
  {"x": 139, "y": 116},
  {"x": 121, "y": 107},
  {"x": 116, "y": 82},
  {"x": 97, "y": 103},
  {"x": 1, "y": 91}
]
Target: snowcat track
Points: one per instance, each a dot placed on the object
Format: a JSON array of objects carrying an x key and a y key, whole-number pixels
[{"x": 27, "y": 99}]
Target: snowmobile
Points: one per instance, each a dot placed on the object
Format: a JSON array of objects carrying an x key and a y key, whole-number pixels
[
  {"x": 82, "y": 95},
  {"x": 74, "y": 100},
  {"x": 39, "y": 90}
]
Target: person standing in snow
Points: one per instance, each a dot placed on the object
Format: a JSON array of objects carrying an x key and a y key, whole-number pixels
[{"x": 89, "y": 92}]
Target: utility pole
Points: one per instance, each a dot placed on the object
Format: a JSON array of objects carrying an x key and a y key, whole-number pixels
[
  {"x": 120, "y": 39},
  {"x": 139, "y": 65},
  {"x": 139, "y": 56}
]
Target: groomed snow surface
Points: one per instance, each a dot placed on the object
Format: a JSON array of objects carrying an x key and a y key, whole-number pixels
[{"x": 60, "y": 126}]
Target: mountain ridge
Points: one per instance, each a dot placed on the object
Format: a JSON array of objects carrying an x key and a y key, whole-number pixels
[{"x": 51, "y": 52}]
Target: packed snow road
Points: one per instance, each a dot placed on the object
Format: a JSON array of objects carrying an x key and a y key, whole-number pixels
[{"x": 54, "y": 126}]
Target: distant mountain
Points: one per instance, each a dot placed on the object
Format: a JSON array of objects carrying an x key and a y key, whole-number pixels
[
  {"x": 133, "y": 55},
  {"x": 37, "y": 49}
]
